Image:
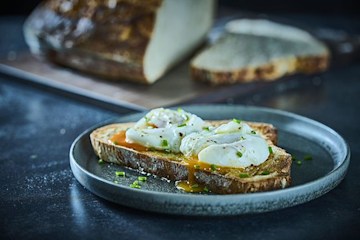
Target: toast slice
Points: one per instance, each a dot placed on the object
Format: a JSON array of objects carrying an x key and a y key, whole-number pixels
[
  {"x": 274, "y": 173},
  {"x": 253, "y": 50}
]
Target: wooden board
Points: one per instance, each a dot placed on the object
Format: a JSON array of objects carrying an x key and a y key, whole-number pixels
[{"x": 174, "y": 88}]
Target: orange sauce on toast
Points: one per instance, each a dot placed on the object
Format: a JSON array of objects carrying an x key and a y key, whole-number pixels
[
  {"x": 120, "y": 139},
  {"x": 192, "y": 164}
]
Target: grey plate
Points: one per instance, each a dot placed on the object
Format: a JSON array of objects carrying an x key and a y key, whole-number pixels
[{"x": 300, "y": 136}]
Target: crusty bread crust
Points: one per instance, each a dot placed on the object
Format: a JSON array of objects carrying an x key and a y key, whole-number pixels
[
  {"x": 96, "y": 50},
  {"x": 172, "y": 167},
  {"x": 269, "y": 72}
]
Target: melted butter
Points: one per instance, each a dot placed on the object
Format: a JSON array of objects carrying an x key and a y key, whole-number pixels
[{"x": 120, "y": 139}]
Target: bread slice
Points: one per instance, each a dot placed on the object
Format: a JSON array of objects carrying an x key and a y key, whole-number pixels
[
  {"x": 136, "y": 40},
  {"x": 259, "y": 50},
  {"x": 274, "y": 173}
]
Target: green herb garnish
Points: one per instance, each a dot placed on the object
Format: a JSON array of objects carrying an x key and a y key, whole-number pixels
[
  {"x": 135, "y": 184},
  {"x": 236, "y": 120},
  {"x": 120, "y": 173},
  {"x": 293, "y": 157},
  {"x": 253, "y": 132},
  {"x": 270, "y": 150},
  {"x": 243, "y": 175},
  {"x": 142, "y": 178},
  {"x": 206, "y": 189},
  {"x": 100, "y": 161},
  {"x": 164, "y": 143},
  {"x": 298, "y": 162},
  {"x": 266, "y": 172},
  {"x": 197, "y": 166},
  {"x": 195, "y": 185},
  {"x": 239, "y": 154},
  {"x": 308, "y": 157},
  {"x": 180, "y": 110},
  {"x": 213, "y": 167},
  {"x": 206, "y": 128},
  {"x": 116, "y": 182},
  {"x": 182, "y": 125}
]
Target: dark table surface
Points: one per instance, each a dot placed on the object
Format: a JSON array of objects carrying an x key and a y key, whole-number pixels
[{"x": 40, "y": 198}]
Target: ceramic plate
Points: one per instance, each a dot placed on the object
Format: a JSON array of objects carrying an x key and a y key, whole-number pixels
[{"x": 300, "y": 136}]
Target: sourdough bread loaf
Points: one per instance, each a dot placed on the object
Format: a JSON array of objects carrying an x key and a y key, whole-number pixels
[
  {"x": 119, "y": 39},
  {"x": 259, "y": 50}
]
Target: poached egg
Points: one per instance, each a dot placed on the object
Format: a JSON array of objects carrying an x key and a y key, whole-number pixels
[
  {"x": 163, "y": 129},
  {"x": 234, "y": 144}
]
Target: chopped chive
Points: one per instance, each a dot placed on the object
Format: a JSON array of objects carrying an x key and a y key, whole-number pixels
[
  {"x": 135, "y": 186},
  {"x": 266, "y": 172},
  {"x": 236, "y": 120},
  {"x": 164, "y": 143},
  {"x": 182, "y": 125},
  {"x": 308, "y": 157},
  {"x": 243, "y": 175},
  {"x": 142, "y": 178},
  {"x": 195, "y": 185},
  {"x": 197, "y": 166},
  {"x": 239, "y": 154},
  {"x": 187, "y": 118},
  {"x": 119, "y": 173},
  {"x": 270, "y": 150},
  {"x": 213, "y": 167},
  {"x": 298, "y": 162},
  {"x": 206, "y": 128},
  {"x": 253, "y": 132},
  {"x": 146, "y": 119},
  {"x": 179, "y": 110},
  {"x": 206, "y": 189},
  {"x": 115, "y": 142},
  {"x": 101, "y": 161},
  {"x": 116, "y": 182}
]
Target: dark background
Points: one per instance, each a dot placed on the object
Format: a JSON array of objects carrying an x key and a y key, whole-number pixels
[{"x": 16, "y": 7}]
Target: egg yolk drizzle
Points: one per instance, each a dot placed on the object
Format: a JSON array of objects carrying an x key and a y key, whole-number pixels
[
  {"x": 120, "y": 139},
  {"x": 193, "y": 164}
]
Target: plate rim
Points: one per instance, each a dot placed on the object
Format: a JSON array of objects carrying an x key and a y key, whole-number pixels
[{"x": 343, "y": 166}]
